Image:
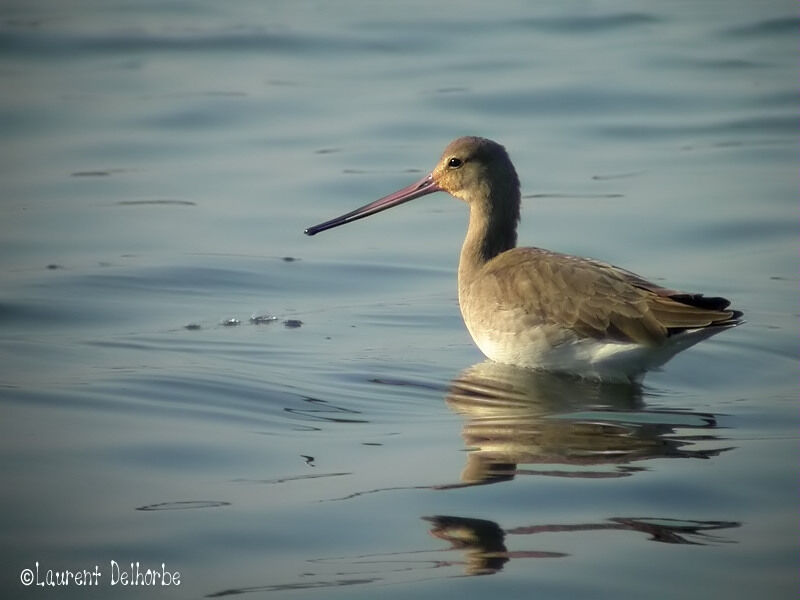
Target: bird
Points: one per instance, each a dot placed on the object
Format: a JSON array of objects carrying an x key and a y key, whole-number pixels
[{"x": 544, "y": 310}]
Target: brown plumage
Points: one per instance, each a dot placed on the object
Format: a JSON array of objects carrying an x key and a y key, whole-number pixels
[
  {"x": 541, "y": 309},
  {"x": 595, "y": 299}
]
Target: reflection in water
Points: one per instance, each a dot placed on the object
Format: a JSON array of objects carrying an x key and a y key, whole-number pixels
[
  {"x": 483, "y": 542},
  {"x": 569, "y": 427},
  {"x": 519, "y": 417},
  {"x": 321, "y": 410},
  {"x": 516, "y": 416}
]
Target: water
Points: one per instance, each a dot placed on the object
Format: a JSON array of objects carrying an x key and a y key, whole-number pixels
[{"x": 159, "y": 163}]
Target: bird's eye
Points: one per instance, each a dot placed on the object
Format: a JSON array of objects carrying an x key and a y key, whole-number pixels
[{"x": 454, "y": 163}]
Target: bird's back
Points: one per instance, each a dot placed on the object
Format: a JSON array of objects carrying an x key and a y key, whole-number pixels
[{"x": 537, "y": 308}]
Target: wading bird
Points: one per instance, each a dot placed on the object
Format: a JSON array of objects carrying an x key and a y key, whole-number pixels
[{"x": 540, "y": 309}]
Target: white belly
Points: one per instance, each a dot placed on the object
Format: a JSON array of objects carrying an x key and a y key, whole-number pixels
[{"x": 550, "y": 349}]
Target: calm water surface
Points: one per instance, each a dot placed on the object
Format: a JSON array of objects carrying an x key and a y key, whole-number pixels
[{"x": 186, "y": 379}]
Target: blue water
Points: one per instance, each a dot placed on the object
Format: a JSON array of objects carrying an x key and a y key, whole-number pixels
[{"x": 159, "y": 162}]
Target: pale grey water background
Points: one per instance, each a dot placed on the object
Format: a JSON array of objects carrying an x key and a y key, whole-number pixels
[{"x": 159, "y": 163}]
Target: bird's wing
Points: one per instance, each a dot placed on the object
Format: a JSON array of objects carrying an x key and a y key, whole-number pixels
[{"x": 592, "y": 298}]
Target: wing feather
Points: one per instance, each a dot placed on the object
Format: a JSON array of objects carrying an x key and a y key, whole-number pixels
[{"x": 592, "y": 298}]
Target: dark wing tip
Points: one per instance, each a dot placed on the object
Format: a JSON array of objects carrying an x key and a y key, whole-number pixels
[
  {"x": 725, "y": 317},
  {"x": 711, "y": 303},
  {"x": 700, "y": 301}
]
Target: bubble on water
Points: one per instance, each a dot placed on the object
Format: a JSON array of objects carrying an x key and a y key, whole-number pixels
[{"x": 262, "y": 319}]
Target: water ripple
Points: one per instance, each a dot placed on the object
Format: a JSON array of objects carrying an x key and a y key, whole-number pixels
[
  {"x": 591, "y": 23},
  {"x": 758, "y": 124},
  {"x": 37, "y": 43},
  {"x": 576, "y": 98},
  {"x": 769, "y": 27}
]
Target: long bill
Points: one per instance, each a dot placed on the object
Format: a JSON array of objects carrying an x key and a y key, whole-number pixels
[{"x": 424, "y": 186}]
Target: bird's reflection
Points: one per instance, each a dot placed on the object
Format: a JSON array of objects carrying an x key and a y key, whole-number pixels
[
  {"x": 485, "y": 552},
  {"x": 519, "y": 422},
  {"x": 482, "y": 541},
  {"x": 567, "y": 427}
]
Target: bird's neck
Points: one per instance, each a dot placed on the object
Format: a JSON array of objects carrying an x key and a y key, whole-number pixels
[{"x": 492, "y": 230}]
